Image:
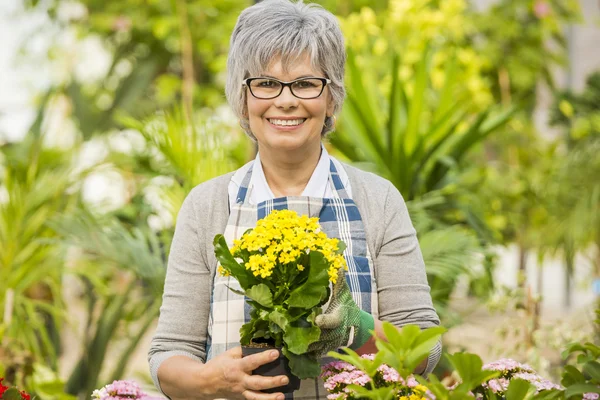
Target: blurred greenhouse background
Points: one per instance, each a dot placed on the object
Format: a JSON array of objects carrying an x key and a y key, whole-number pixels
[{"x": 484, "y": 114}]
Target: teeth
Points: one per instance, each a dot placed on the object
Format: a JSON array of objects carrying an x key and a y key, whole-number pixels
[{"x": 286, "y": 122}]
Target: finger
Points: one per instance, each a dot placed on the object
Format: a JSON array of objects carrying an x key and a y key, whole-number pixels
[
  {"x": 236, "y": 352},
  {"x": 258, "y": 382},
  {"x": 251, "y": 362},
  {"x": 328, "y": 321},
  {"x": 253, "y": 395}
]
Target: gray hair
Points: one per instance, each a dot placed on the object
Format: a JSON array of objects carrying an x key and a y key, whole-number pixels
[{"x": 274, "y": 28}]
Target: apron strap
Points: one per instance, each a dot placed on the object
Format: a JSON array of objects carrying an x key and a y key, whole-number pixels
[
  {"x": 336, "y": 182},
  {"x": 243, "y": 190}
]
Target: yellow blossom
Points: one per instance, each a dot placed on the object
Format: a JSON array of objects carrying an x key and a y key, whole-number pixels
[{"x": 283, "y": 238}]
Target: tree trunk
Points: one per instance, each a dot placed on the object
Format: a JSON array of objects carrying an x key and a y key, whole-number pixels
[
  {"x": 569, "y": 268},
  {"x": 522, "y": 271}
]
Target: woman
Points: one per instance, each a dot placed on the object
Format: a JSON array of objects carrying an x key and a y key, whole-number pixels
[{"x": 285, "y": 82}]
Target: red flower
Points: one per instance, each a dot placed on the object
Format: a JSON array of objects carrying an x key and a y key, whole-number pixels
[
  {"x": 25, "y": 395},
  {"x": 2, "y": 387}
]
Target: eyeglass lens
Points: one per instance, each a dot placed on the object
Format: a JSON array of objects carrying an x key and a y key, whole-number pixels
[{"x": 303, "y": 88}]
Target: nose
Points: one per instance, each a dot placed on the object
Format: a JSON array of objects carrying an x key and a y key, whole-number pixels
[{"x": 286, "y": 99}]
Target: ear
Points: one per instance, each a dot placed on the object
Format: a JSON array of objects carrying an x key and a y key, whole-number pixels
[{"x": 330, "y": 106}]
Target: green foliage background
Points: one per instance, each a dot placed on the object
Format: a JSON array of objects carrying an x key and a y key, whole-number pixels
[{"x": 440, "y": 101}]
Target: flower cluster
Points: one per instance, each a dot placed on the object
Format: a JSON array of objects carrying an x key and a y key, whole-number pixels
[
  {"x": 337, "y": 375},
  {"x": 511, "y": 369},
  {"x": 4, "y": 389},
  {"x": 120, "y": 390},
  {"x": 283, "y": 238}
]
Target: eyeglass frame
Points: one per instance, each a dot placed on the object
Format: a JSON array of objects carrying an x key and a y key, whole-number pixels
[{"x": 325, "y": 81}]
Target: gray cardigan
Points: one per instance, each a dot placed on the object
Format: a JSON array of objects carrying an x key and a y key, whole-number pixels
[{"x": 403, "y": 291}]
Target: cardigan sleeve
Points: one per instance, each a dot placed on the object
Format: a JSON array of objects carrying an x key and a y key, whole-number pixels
[
  {"x": 183, "y": 321},
  {"x": 403, "y": 290}
]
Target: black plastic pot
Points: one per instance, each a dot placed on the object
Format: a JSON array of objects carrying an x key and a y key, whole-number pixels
[{"x": 277, "y": 367}]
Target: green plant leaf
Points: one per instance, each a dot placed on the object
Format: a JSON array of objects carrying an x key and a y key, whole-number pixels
[
  {"x": 11, "y": 394},
  {"x": 519, "y": 389},
  {"x": 439, "y": 390},
  {"x": 381, "y": 393},
  {"x": 469, "y": 367},
  {"x": 581, "y": 388},
  {"x": 592, "y": 368},
  {"x": 304, "y": 366},
  {"x": 243, "y": 276},
  {"x": 299, "y": 335},
  {"x": 571, "y": 376},
  {"x": 552, "y": 394},
  {"x": 261, "y": 294},
  {"x": 310, "y": 293},
  {"x": 281, "y": 318}
]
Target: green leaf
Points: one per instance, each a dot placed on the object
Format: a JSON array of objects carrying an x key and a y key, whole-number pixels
[
  {"x": 581, "y": 388},
  {"x": 246, "y": 332},
  {"x": 310, "y": 293},
  {"x": 364, "y": 364},
  {"x": 261, "y": 294},
  {"x": 592, "y": 368},
  {"x": 382, "y": 393},
  {"x": 439, "y": 390},
  {"x": 304, "y": 366},
  {"x": 519, "y": 389},
  {"x": 281, "y": 318},
  {"x": 243, "y": 276},
  {"x": 417, "y": 103},
  {"x": 11, "y": 394},
  {"x": 552, "y": 394},
  {"x": 571, "y": 376},
  {"x": 469, "y": 367},
  {"x": 299, "y": 335}
]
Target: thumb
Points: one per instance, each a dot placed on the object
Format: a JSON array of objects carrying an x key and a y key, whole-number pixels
[{"x": 328, "y": 321}]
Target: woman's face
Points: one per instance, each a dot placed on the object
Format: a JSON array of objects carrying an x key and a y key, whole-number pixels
[{"x": 266, "y": 116}]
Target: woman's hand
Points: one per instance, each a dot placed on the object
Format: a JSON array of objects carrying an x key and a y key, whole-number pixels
[
  {"x": 225, "y": 376},
  {"x": 232, "y": 374}
]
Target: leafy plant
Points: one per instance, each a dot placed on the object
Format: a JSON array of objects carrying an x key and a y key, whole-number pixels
[
  {"x": 285, "y": 267},
  {"x": 583, "y": 376},
  {"x": 124, "y": 272},
  {"x": 37, "y": 184},
  {"x": 413, "y": 140},
  {"x": 403, "y": 350}
]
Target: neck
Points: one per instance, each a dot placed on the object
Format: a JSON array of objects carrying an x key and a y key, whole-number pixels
[{"x": 288, "y": 175}]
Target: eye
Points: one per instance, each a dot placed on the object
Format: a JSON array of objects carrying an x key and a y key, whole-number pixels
[
  {"x": 266, "y": 83},
  {"x": 305, "y": 84}
]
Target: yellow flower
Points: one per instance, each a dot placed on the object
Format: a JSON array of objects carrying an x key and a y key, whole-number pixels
[
  {"x": 222, "y": 271},
  {"x": 283, "y": 237}
]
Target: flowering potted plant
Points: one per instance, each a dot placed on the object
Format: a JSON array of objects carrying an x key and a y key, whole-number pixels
[
  {"x": 284, "y": 266},
  {"x": 12, "y": 393},
  {"x": 508, "y": 370},
  {"x": 338, "y": 376},
  {"x": 128, "y": 390}
]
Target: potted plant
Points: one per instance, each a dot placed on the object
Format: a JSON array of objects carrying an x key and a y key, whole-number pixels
[
  {"x": 284, "y": 267},
  {"x": 12, "y": 393}
]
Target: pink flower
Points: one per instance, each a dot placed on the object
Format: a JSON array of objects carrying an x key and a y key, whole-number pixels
[
  {"x": 541, "y": 9},
  {"x": 591, "y": 396},
  {"x": 508, "y": 365},
  {"x": 119, "y": 390},
  {"x": 122, "y": 24}
]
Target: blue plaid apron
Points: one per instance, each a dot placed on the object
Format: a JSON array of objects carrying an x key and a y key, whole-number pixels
[{"x": 339, "y": 217}]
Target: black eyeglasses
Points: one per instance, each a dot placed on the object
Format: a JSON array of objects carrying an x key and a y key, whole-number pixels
[{"x": 303, "y": 88}]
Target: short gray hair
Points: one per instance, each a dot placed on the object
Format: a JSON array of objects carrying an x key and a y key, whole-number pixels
[{"x": 287, "y": 29}]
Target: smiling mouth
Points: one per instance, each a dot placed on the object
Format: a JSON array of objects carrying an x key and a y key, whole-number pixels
[{"x": 286, "y": 122}]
